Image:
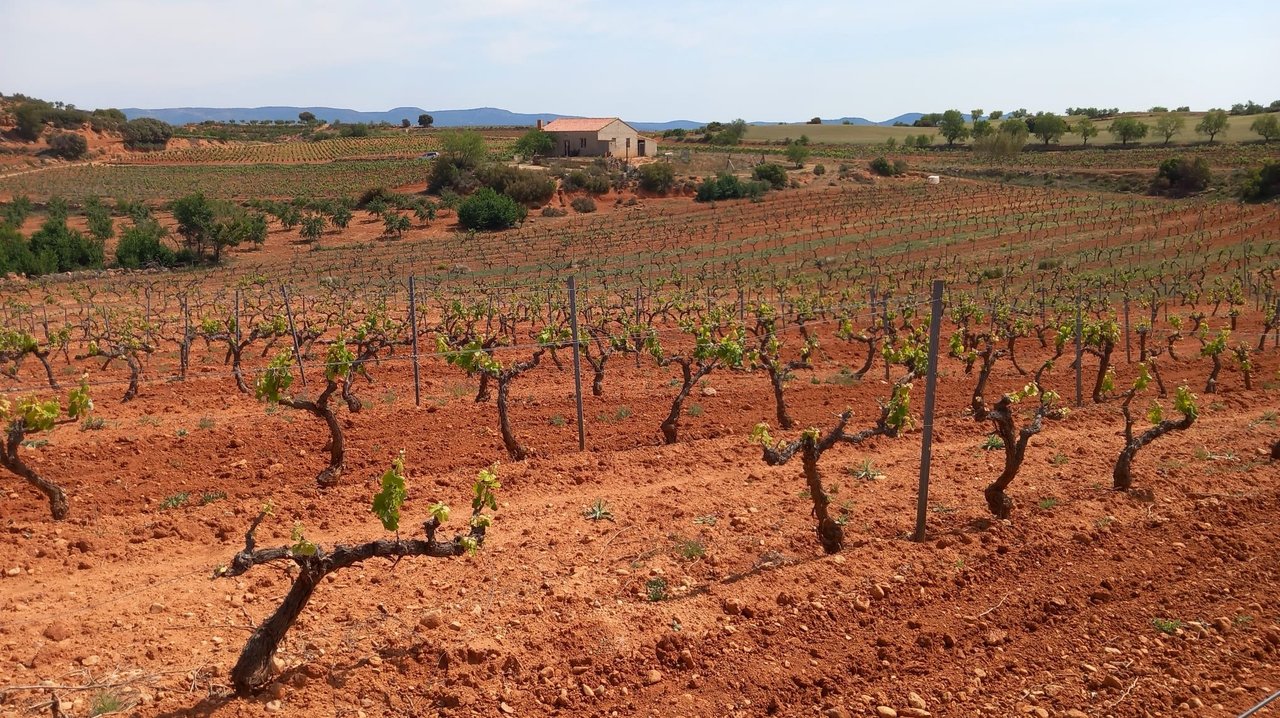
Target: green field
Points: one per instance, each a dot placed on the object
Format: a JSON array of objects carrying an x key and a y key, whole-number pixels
[{"x": 1237, "y": 131}]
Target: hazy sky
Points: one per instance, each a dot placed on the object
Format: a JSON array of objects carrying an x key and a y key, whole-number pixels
[{"x": 646, "y": 61}]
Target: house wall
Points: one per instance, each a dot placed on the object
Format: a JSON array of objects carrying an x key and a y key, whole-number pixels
[{"x": 610, "y": 140}]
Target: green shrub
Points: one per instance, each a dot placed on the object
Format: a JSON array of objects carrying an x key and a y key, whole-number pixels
[
  {"x": 524, "y": 186},
  {"x": 772, "y": 173},
  {"x": 819, "y": 170},
  {"x": 489, "y": 210},
  {"x": 1179, "y": 177},
  {"x": 583, "y": 204},
  {"x": 58, "y": 248},
  {"x": 141, "y": 246},
  {"x": 359, "y": 129},
  {"x": 68, "y": 145},
  {"x": 729, "y": 186},
  {"x": 550, "y": 211},
  {"x": 1261, "y": 183},
  {"x": 593, "y": 182},
  {"x": 657, "y": 177},
  {"x": 885, "y": 168}
]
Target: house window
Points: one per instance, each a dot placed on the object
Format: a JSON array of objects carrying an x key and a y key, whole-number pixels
[{"x": 582, "y": 142}]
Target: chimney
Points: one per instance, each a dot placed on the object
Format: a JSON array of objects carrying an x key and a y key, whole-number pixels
[{"x": 539, "y": 124}]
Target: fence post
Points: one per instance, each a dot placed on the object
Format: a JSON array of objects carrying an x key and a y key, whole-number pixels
[
  {"x": 237, "y": 317},
  {"x": 577, "y": 362},
  {"x": 1079, "y": 353},
  {"x": 184, "y": 352},
  {"x": 930, "y": 385},
  {"x": 636, "y": 338},
  {"x": 297, "y": 349},
  {"x": 413, "y": 329},
  {"x": 1128, "y": 351}
]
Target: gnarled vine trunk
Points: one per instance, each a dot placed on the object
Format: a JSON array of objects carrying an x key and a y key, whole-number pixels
[
  {"x": 10, "y": 460},
  {"x": 330, "y": 475},
  {"x": 253, "y": 669}
]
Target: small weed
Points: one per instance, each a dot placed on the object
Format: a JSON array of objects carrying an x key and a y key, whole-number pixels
[
  {"x": 1167, "y": 625},
  {"x": 106, "y": 703},
  {"x": 92, "y": 423},
  {"x": 174, "y": 501},
  {"x": 148, "y": 421},
  {"x": 694, "y": 410},
  {"x": 209, "y": 497},
  {"x": 942, "y": 509},
  {"x": 390, "y": 397},
  {"x": 1217, "y": 406},
  {"x": 1104, "y": 521},
  {"x": 35, "y": 443},
  {"x": 1243, "y": 619},
  {"x": 1047, "y": 503},
  {"x": 1059, "y": 459},
  {"x": 623, "y": 412},
  {"x": 992, "y": 443},
  {"x": 598, "y": 511},
  {"x": 1201, "y": 454},
  {"x": 958, "y": 565},
  {"x": 845, "y": 377},
  {"x": 690, "y": 549},
  {"x": 866, "y": 471},
  {"x": 1268, "y": 417},
  {"x": 180, "y": 433},
  {"x": 708, "y": 520},
  {"x": 676, "y": 625},
  {"x": 656, "y": 589},
  {"x": 205, "y": 423},
  {"x": 557, "y": 420}
]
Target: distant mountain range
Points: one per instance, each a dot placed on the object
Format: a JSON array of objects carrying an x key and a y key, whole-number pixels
[{"x": 476, "y": 117}]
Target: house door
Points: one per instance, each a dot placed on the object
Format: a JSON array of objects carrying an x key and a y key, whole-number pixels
[
  {"x": 640, "y": 147},
  {"x": 566, "y": 148}
]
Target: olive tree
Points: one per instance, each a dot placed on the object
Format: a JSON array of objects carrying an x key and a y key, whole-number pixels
[{"x": 1213, "y": 122}]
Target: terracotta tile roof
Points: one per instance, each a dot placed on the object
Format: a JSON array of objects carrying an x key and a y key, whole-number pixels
[{"x": 581, "y": 124}]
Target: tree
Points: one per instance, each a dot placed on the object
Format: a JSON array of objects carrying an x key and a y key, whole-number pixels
[
  {"x": 815, "y": 121},
  {"x": 1127, "y": 129},
  {"x": 730, "y": 134},
  {"x": 141, "y": 246},
  {"x": 975, "y": 115},
  {"x": 306, "y": 117},
  {"x": 1169, "y": 125},
  {"x": 996, "y": 114},
  {"x": 798, "y": 152},
  {"x": 982, "y": 128},
  {"x": 1050, "y": 127},
  {"x": 464, "y": 149},
  {"x": 535, "y": 143},
  {"x": 953, "y": 127},
  {"x": 29, "y": 416},
  {"x": 425, "y": 120},
  {"x": 1213, "y": 122},
  {"x": 404, "y": 122},
  {"x": 312, "y": 227},
  {"x": 71, "y": 146},
  {"x": 1086, "y": 130},
  {"x": 1268, "y": 126},
  {"x": 146, "y": 133}
]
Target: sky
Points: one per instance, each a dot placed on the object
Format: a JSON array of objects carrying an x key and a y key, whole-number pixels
[{"x": 645, "y": 61}]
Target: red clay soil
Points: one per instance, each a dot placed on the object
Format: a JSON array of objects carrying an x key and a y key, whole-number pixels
[{"x": 1087, "y": 602}]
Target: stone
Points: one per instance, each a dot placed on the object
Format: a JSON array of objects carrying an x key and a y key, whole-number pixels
[
  {"x": 156, "y": 608},
  {"x": 91, "y": 660},
  {"x": 886, "y": 712},
  {"x": 1074, "y": 713},
  {"x": 433, "y": 619},
  {"x": 274, "y": 706},
  {"x": 653, "y": 677},
  {"x": 915, "y": 701},
  {"x": 57, "y": 631}
]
